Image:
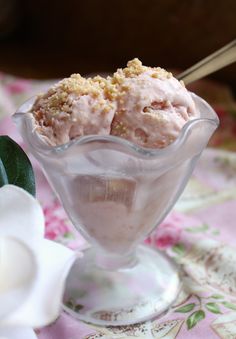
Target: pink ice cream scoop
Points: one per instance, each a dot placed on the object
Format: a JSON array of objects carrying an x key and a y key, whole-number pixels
[
  {"x": 153, "y": 109},
  {"x": 72, "y": 108},
  {"x": 144, "y": 105}
]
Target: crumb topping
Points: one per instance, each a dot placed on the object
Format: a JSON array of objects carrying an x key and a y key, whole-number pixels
[
  {"x": 119, "y": 128},
  {"x": 135, "y": 103},
  {"x": 105, "y": 90},
  {"x": 59, "y": 98},
  {"x": 135, "y": 68}
]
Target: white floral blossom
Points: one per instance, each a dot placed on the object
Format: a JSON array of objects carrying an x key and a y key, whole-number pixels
[{"x": 32, "y": 269}]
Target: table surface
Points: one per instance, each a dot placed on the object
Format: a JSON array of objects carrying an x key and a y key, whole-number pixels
[{"x": 198, "y": 234}]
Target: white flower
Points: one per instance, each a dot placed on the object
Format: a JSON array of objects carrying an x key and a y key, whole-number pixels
[{"x": 32, "y": 269}]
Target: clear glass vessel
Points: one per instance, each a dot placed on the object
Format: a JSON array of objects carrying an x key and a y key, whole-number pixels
[{"x": 116, "y": 193}]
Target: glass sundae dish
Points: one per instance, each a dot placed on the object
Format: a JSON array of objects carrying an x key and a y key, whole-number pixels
[{"x": 116, "y": 191}]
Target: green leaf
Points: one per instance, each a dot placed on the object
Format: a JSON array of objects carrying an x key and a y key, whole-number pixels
[
  {"x": 186, "y": 308},
  {"x": 15, "y": 166},
  {"x": 217, "y": 296},
  {"x": 215, "y": 232},
  {"x": 194, "y": 318},
  {"x": 68, "y": 235},
  {"x": 179, "y": 249},
  {"x": 3, "y": 175},
  {"x": 229, "y": 305},
  {"x": 213, "y": 308},
  {"x": 199, "y": 229}
]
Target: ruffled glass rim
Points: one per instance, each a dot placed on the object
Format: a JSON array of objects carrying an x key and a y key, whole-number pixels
[{"x": 38, "y": 143}]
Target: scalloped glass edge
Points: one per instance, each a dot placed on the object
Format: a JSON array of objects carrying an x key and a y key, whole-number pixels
[{"x": 43, "y": 147}]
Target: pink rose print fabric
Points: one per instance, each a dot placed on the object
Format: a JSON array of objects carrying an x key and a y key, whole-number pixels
[
  {"x": 55, "y": 221},
  {"x": 168, "y": 233}
]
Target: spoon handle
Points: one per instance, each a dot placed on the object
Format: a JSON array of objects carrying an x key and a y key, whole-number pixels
[{"x": 217, "y": 60}]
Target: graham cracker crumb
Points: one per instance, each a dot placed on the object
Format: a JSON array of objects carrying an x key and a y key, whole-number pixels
[
  {"x": 105, "y": 91},
  {"x": 119, "y": 128}
]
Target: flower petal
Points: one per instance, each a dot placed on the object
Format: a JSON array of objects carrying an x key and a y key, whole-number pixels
[
  {"x": 21, "y": 215},
  {"x": 17, "y": 333},
  {"x": 43, "y": 303},
  {"x": 17, "y": 274}
]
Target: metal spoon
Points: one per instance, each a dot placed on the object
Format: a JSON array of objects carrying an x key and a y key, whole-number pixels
[{"x": 217, "y": 60}]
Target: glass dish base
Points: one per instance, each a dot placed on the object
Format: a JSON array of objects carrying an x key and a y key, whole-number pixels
[{"x": 124, "y": 296}]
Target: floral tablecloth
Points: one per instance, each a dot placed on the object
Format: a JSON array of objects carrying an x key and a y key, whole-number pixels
[{"x": 199, "y": 234}]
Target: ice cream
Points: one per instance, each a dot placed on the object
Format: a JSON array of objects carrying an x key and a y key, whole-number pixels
[
  {"x": 144, "y": 105},
  {"x": 74, "y": 107}
]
